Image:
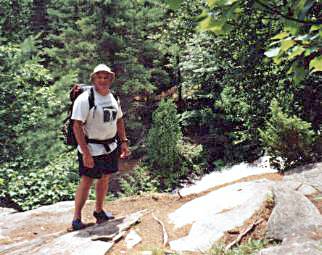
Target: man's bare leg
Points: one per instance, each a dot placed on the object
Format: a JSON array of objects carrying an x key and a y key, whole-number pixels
[
  {"x": 101, "y": 191},
  {"x": 82, "y": 195}
]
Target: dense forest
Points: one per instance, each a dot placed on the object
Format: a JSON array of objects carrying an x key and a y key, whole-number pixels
[{"x": 244, "y": 80}]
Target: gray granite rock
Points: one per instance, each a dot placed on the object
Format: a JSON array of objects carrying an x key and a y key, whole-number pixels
[
  {"x": 227, "y": 175},
  {"x": 310, "y": 175},
  {"x": 5, "y": 211},
  {"x": 292, "y": 212},
  {"x": 295, "y": 219},
  {"x": 35, "y": 222},
  {"x": 97, "y": 239},
  {"x": 302, "y": 248},
  {"x": 306, "y": 189},
  {"x": 213, "y": 214}
]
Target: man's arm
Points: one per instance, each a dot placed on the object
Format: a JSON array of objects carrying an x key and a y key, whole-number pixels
[
  {"x": 122, "y": 135},
  {"x": 121, "y": 129},
  {"x": 80, "y": 138}
]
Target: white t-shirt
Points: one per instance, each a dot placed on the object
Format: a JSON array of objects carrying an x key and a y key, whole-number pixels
[{"x": 100, "y": 121}]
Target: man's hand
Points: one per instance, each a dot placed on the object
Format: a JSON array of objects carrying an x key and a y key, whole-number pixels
[
  {"x": 88, "y": 160},
  {"x": 125, "y": 152}
]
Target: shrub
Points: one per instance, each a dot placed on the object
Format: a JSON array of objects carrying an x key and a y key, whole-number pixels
[
  {"x": 163, "y": 138},
  {"x": 137, "y": 182},
  {"x": 32, "y": 188},
  {"x": 288, "y": 139},
  {"x": 193, "y": 158},
  {"x": 248, "y": 248}
]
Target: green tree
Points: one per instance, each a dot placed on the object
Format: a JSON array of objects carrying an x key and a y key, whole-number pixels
[
  {"x": 288, "y": 139},
  {"x": 36, "y": 75},
  {"x": 118, "y": 33},
  {"x": 163, "y": 141},
  {"x": 299, "y": 40},
  {"x": 14, "y": 20},
  {"x": 228, "y": 85}
]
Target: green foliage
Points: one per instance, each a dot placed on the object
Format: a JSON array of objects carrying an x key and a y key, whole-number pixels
[
  {"x": 163, "y": 139},
  {"x": 14, "y": 20},
  {"x": 29, "y": 189},
  {"x": 287, "y": 138},
  {"x": 228, "y": 86},
  {"x": 27, "y": 103},
  {"x": 33, "y": 170},
  {"x": 144, "y": 180},
  {"x": 248, "y": 248},
  {"x": 193, "y": 158},
  {"x": 139, "y": 181},
  {"x": 155, "y": 251},
  {"x": 299, "y": 40},
  {"x": 37, "y": 72},
  {"x": 122, "y": 34}
]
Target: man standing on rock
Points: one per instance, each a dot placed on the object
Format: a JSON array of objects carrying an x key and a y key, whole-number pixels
[{"x": 96, "y": 128}]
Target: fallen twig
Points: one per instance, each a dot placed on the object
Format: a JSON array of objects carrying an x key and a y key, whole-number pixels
[
  {"x": 165, "y": 234},
  {"x": 241, "y": 235}
]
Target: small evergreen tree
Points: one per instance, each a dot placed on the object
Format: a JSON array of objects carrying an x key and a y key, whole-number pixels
[
  {"x": 288, "y": 138},
  {"x": 163, "y": 138}
]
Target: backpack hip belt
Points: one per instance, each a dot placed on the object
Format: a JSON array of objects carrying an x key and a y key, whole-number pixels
[{"x": 105, "y": 143}]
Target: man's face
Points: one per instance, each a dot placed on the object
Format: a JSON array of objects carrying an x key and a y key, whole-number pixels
[{"x": 103, "y": 79}]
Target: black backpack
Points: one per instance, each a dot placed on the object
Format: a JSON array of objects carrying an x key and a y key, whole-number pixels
[{"x": 67, "y": 129}]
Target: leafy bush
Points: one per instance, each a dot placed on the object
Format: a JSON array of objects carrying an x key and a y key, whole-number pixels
[
  {"x": 287, "y": 138},
  {"x": 251, "y": 247},
  {"x": 137, "y": 182},
  {"x": 31, "y": 188},
  {"x": 193, "y": 158}
]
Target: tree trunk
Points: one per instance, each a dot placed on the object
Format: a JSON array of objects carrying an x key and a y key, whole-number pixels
[{"x": 39, "y": 19}]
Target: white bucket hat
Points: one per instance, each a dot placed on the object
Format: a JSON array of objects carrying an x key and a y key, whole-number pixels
[{"x": 102, "y": 68}]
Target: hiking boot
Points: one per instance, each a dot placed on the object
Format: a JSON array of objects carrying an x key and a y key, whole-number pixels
[
  {"x": 102, "y": 216},
  {"x": 77, "y": 225}
]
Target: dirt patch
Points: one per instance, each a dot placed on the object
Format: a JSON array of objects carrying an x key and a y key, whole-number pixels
[
  {"x": 163, "y": 204},
  {"x": 34, "y": 228},
  {"x": 257, "y": 232},
  {"x": 149, "y": 229},
  {"x": 316, "y": 199}
]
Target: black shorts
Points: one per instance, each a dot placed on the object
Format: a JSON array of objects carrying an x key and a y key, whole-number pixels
[{"x": 103, "y": 165}]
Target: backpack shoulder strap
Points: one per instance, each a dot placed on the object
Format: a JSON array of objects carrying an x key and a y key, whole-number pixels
[
  {"x": 91, "y": 98},
  {"x": 115, "y": 95}
]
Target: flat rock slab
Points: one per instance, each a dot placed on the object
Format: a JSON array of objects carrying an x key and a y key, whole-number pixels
[
  {"x": 292, "y": 212},
  {"x": 217, "y": 212},
  {"x": 15, "y": 226},
  {"x": 97, "y": 239},
  {"x": 307, "y": 179},
  {"x": 225, "y": 176},
  {"x": 5, "y": 211}
]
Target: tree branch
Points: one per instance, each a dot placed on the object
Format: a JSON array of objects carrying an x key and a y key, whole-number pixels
[
  {"x": 243, "y": 234},
  {"x": 275, "y": 11},
  {"x": 165, "y": 234}
]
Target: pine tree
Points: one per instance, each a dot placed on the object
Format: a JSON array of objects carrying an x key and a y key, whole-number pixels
[{"x": 163, "y": 140}]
